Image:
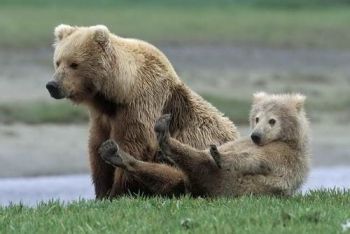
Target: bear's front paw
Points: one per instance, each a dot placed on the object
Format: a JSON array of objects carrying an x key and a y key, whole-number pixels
[{"x": 109, "y": 153}]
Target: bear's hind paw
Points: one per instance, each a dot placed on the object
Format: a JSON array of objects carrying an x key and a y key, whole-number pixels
[{"x": 109, "y": 153}]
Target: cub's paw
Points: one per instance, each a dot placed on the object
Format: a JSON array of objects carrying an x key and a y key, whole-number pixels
[
  {"x": 161, "y": 157},
  {"x": 214, "y": 152},
  {"x": 162, "y": 129},
  {"x": 162, "y": 124},
  {"x": 109, "y": 153}
]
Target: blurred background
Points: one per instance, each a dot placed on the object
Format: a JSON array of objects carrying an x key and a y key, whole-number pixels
[{"x": 224, "y": 49}]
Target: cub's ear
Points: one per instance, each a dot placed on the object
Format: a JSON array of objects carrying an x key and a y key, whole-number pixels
[
  {"x": 299, "y": 101},
  {"x": 63, "y": 30},
  {"x": 101, "y": 34},
  {"x": 257, "y": 97}
]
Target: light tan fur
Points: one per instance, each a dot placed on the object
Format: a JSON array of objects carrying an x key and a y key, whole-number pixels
[
  {"x": 127, "y": 84},
  {"x": 277, "y": 165}
]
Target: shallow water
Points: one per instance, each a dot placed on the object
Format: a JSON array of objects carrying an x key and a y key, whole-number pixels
[{"x": 31, "y": 191}]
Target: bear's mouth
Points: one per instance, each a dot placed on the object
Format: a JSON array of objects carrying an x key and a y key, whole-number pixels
[
  {"x": 258, "y": 144},
  {"x": 70, "y": 96},
  {"x": 75, "y": 97}
]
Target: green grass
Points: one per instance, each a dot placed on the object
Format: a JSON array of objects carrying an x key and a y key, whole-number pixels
[
  {"x": 316, "y": 212},
  {"x": 236, "y": 109},
  {"x": 38, "y": 112},
  {"x": 41, "y": 112},
  {"x": 254, "y": 3},
  {"x": 31, "y": 25},
  {"x": 63, "y": 112}
]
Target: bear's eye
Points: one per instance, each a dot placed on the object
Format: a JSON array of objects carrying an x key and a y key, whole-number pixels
[
  {"x": 257, "y": 119},
  {"x": 57, "y": 63},
  {"x": 272, "y": 122},
  {"x": 73, "y": 65}
]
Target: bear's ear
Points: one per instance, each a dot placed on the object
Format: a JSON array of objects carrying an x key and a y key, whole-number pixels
[
  {"x": 257, "y": 97},
  {"x": 101, "y": 34},
  {"x": 299, "y": 101},
  {"x": 63, "y": 30}
]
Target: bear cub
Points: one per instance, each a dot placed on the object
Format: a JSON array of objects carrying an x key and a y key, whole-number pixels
[{"x": 274, "y": 160}]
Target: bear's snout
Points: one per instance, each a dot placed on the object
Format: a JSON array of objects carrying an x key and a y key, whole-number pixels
[
  {"x": 256, "y": 138},
  {"x": 54, "y": 90}
]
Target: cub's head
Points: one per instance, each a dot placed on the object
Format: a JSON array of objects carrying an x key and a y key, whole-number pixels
[
  {"x": 82, "y": 61},
  {"x": 277, "y": 117}
]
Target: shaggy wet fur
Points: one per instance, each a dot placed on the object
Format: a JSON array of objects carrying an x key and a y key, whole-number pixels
[
  {"x": 127, "y": 85},
  {"x": 277, "y": 164}
]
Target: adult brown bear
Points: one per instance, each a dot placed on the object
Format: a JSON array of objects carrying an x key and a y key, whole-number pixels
[{"x": 127, "y": 85}]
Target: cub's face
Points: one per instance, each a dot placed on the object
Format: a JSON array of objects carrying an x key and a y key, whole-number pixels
[
  {"x": 78, "y": 63},
  {"x": 275, "y": 117},
  {"x": 266, "y": 126}
]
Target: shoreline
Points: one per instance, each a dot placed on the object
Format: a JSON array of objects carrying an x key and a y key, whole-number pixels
[{"x": 31, "y": 191}]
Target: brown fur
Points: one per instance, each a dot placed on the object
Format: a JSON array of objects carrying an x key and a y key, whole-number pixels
[
  {"x": 127, "y": 85},
  {"x": 278, "y": 165}
]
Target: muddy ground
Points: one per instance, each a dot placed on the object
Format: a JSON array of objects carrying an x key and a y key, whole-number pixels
[{"x": 324, "y": 75}]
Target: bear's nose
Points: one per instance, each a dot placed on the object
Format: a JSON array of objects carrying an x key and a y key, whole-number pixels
[
  {"x": 54, "y": 90},
  {"x": 256, "y": 138}
]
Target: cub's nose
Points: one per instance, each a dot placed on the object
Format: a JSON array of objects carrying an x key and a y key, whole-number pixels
[
  {"x": 256, "y": 138},
  {"x": 54, "y": 89}
]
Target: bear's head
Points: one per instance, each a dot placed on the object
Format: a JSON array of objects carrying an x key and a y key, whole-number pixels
[
  {"x": 84, "y": 60},
  {"x": 277, "y": 118}
]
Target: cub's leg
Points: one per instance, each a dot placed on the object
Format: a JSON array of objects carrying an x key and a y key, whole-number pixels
[
  {"x": 247, "y": 162},
  {"x": 159, "y": 178},
  {"x": 243, "y": 162},
  {"x": 184, "y": 156}
]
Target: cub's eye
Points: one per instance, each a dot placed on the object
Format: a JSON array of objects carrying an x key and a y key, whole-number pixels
[
  {"x": 272, "y": 122},
  {"x": 73, "y": 65},
  {"x": 57, "y": 63},
  {"x": 257, "y": 119}
]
